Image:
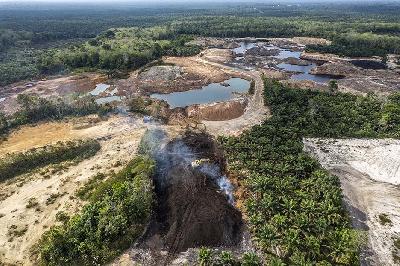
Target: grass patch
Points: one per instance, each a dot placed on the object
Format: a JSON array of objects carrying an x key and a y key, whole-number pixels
[
  {"x": 52, "y": 198},
  {"x": 14, "y": 231},
  {"x": 16, "y": 164},
  {"x": 117, "y": 212}
]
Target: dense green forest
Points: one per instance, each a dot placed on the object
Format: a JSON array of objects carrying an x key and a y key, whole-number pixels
[
  {"x": 294, "y": 206},
  {"x": 58, "y": 38},
  {"x": 114, "y": 217},
  {"x": 118, "y": 50}
]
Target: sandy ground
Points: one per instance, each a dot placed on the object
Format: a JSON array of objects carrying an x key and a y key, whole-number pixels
[
  {"x": 369, "y": 175},
  {"x": 119, "y": 137},
  {"x": 59, "y": 86}
]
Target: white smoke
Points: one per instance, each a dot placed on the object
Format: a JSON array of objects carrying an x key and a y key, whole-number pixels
[{"x": 154, "y": 143}]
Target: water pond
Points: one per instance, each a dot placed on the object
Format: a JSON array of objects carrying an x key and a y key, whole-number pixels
[
  {"x": 304, "y": 71},
  {"x": 214, "y": 92}
]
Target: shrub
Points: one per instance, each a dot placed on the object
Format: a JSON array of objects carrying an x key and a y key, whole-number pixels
[
  {"x": 85, "y": 192},
  {"x": 250, "y": 259},
  {"x": 205, "y": 256},
  {"x": 384, "y": 219},
  {"x": 32, "y": 203}
]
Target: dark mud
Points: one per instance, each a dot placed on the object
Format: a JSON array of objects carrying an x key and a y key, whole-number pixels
[{"x": 192, "y": 211}]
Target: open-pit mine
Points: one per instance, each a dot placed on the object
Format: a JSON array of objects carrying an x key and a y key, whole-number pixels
[{"x": 186, "y": 103}]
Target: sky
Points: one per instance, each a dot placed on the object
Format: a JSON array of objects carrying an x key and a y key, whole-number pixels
[{"x": 184, "y": 1}]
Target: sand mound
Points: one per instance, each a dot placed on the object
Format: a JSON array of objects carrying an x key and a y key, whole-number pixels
[{"x": 379, "y": 159}]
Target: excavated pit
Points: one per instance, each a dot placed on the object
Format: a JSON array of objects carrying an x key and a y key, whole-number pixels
[{"x": 194, "y": 208}]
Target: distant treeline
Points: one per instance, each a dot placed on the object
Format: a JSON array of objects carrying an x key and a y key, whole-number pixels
[
  {"x": 352, "y": 38},
  {"x": 118, "y": 49},
  {"x": 35, "y": 42}
]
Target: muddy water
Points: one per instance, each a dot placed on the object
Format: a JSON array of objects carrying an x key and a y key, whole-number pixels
[
  {"x": 101, "y": 89},
  {"x": 214, "y": 92},
  {"x": 284, "y": 53},
  {"x": 303, "y": 71}
]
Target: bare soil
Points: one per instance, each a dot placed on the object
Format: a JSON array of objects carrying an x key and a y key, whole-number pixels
[
  {"x": 60, "y": 86},
  {"x": 218, "y": 111}
]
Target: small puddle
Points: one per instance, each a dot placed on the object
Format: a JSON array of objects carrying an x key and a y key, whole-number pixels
[
  {"x": 284, "y": 53},
  {"x": 109, "y": 96},
  {"x": 100, "y": 88},
  {"x": 214, "y": 92}
]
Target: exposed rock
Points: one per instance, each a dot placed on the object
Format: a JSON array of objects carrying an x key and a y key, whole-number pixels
[
  {"x": 217, "y": 55},
  {"x": 161, "y": 73},
  {"x": 321, "y": 58},
  {"x": 262, "y": 51},
  {"x": 340, "y": 69},
  {"x": 299, "y": 62}
]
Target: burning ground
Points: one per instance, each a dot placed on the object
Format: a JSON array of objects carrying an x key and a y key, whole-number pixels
[{"x": 195, "y": 202}]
